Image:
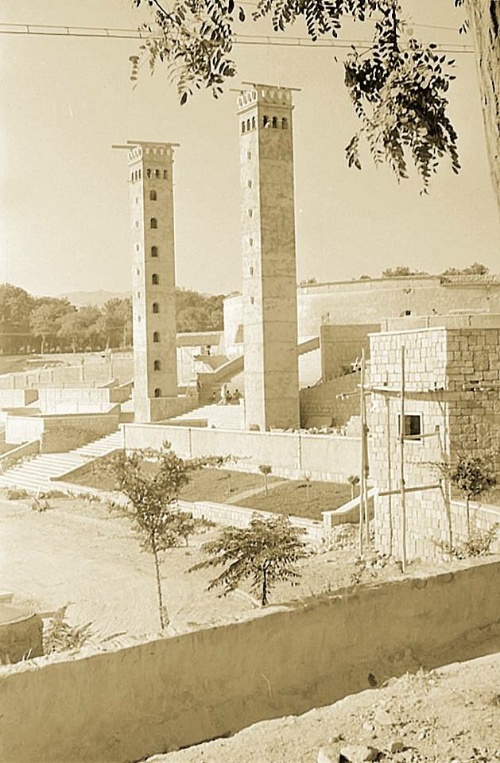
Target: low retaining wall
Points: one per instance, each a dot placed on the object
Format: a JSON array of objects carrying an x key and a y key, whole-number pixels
[
  {"x": 125, "y": 705},
  {"x": 348, "y": 513},
  {"x": 16, "y": 454},
  {"x": 239, "y": 516},
  {"x": 20, "y": 635},
  {"x": 290, "y": 454},
  {"x": 60, "y": 433}
]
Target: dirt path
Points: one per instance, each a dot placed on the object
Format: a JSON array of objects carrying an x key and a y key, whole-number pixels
[{"x": 449, "y": 715}]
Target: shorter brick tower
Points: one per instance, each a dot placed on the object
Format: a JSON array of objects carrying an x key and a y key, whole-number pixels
[{"x": 153, "y": 278}]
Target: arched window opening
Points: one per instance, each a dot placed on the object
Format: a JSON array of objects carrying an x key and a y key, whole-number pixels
[
  {"x": 154, "y": 251},
  {"x": 156, "y": 307},
  {"x": 148, "y": 173},
  {"x": 265, "y": 121},
  {"x": 284, "y": 123},
  {"x": 165, "y": 174},
  {"x": 253, "y": 123},
  {"x": 157, "y": 392},
  {"x": 248, "y": 125},
  {"x": 243, "y": 127},
  {"x": 152, "y": 196},
  {"x": 250, "y": 212},
  {"x": 275, "y": 122},
  {"x": 154, "y": 223},
  {"x": 155, "y": 279},
  {"x": 157, "y": 173},
  {"x": 156, "y": 337},
  {"x": 157, "y": 365}
]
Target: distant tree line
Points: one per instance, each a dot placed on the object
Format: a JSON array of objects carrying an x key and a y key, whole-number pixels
[
  {"x": 50, "y": 324},
  {"x": 476, "y": 269}
]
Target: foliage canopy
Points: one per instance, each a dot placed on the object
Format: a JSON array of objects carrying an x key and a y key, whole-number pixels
[{"x": 398, "y": 87}]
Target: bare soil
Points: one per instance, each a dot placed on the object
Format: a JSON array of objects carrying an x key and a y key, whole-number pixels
[{"x": 448, "y": 715}]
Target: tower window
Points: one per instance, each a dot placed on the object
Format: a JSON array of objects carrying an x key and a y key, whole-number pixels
[
  {"x": 137, "y": 223},
  {"x": 253, "y": 123},
  {"x": 139, "y": 174},
  {"x": 137, "y": 247},
  {"x": 249, "y": 183},
  {"x": 165, "y": 174},
  {"x": 155, "y": 279},
  {"x": 156, "y": 307},
  {"x": 250, "y": 241},
  {"x": 153, "y": 223},
  {"x": 131, "y": 177},
  {"x": 157, "y": 173},
  {"x": 275, "y": 122},
  {"x": 250, "y": 212},
  {"x": 148, "y": 173},
  {"x": 137, "y": 272},
  {"x": 154, "y": 251},
  {"x": 412, "y": 427},
  {"x": 157, "y": 392},
  {"x": 251, "y": 271},
  {"x": 265, "y": 121},
  {"x": 249, "y": 154},
  {"x": 157, "y": 365},
  {"x": 284, "y": 123},
  {"x": 152, "y": 196},
  {"x": 138, "y": 295},
  {"x": 243, "y": 127},
  {"x": 252, "y": 300},
  {"x": 248, "y": 125},
  {"x": 156, "y": 336}
]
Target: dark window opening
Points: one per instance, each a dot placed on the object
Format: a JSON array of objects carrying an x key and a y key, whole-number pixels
[
  {"x": 165, "y": 174},
  {"x": 154, "y": 251},
  {"x": 412, "y": 426},
  {"x": 265, "y": 121},
  {"x": 152, "y": 196},
  {"x": 243, "y": 127},
  {"x": 156, "y": 307},
  {"x": 157, "y": 365},
  {"x": 157, "y": 392},
  {"x": 156, "y": 336},
  {"x": 157, "y": 173},
  {"x": 275, "y": 122},
  {"x": 148, "y": 173},
  {"x": 153, "y": 223},
  {"x": 155, "y": 279},
  {"x": 284, "y": 123},
  {"x": 253, "y": 123}
]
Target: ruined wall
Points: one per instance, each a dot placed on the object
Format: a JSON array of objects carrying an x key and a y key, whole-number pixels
[
  {"x": 158, "y": 696},
  {"x": 342, "y": 345}
]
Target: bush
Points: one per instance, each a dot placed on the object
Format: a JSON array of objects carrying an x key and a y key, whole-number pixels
[
  {"x": 60, "y": 636},
  {"x": 15, "y": 494}
]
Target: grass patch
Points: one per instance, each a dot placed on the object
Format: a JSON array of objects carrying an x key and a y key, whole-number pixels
[{"x": 300, "y": 499}]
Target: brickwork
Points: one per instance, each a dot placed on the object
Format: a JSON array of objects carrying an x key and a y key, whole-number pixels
[{"x": 321, "y": 406}]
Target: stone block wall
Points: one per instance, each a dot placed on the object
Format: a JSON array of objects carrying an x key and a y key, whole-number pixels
[
  {"x": 321, "y": 405},
  {"x": 441, "y": 366}
]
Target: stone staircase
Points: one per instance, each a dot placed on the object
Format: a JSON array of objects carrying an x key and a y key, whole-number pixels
[
  {"x": 35, "y": 474},
  {"x": 216, "y": 416}
]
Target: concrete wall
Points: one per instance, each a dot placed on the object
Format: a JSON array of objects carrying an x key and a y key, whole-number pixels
[
  {"x": 12, "y": 456},
  {"x": 239, "y": 516},
  {"x": 60, "y": 433},
  {"x": 95, "y": 369},
  {"x": 20, "y": 635},
  {"x": 17, "y": 398},
  {"x": 291, "y": 454},
  {"x": 370, "y": 301},
  {"x": 124, "y": 705}
]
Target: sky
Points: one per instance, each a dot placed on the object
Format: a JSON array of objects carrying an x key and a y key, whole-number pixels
[{"x": 64, "y": 214}]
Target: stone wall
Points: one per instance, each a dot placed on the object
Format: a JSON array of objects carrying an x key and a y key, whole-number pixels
[
  {"x": 291, "y": 454},
  {"x": 321, "y": 405},
  {"x": 174, "y": 692},
  {"x": 442, "y": 366},
  {"x": 342, "y": 345},
  {"x": 60, "y": 433}
]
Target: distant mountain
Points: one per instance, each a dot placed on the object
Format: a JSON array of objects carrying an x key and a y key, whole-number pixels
[{"x": 97, "y": 298}]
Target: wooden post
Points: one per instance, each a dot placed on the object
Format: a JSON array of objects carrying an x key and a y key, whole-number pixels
[
  {"x": 362, "y": 482},
  {"x": 364, "y": 447},
  {"x": 402, "y": 463}
]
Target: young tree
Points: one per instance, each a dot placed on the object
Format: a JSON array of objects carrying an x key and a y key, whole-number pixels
[
  {"x": 266, "y": 470},
  {"x": 353, "y": 480},
  {"x": 267, "y": 551},
  {"x": 472, "y": 475},
  {"x": 152, "y": 480}
]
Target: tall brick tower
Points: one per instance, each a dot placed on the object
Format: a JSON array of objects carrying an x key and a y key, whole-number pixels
[
  {"x": 153, "y": 277},
  {"x": 269, "y": 267}
]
